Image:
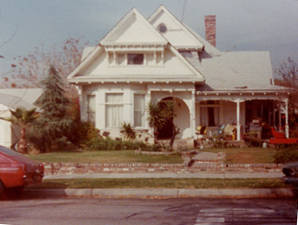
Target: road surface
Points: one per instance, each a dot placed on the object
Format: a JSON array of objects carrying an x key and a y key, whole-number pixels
[{"x": 147, "y": 211}]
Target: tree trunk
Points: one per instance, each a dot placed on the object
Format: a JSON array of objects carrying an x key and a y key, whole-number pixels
[{"x": 22, "y": 145}]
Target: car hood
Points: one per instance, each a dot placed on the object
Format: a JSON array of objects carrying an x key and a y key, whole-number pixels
[{"x": 30, "y": 164}]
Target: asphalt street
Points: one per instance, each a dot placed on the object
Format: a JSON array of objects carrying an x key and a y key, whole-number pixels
[{"x": 147, "y": 211}]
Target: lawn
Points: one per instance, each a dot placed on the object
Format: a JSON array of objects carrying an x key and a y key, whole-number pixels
[
  {"x": 233, "y": 155},
  {"x": 123, "y": 156},
  {"x": 247, "y": 155},
  {"x": 161, "y": 183}
]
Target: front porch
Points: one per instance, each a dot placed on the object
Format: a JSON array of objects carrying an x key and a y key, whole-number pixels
[{"x": 242, "y": 111}]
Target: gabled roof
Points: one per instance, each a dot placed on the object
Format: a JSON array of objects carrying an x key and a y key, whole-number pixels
[
  {"x": 19, "y": 97},
  {"x": 219, "y": 70},
  {"x": 176, "y": 32},
  {"x": 87, "y": 59},
  {"x": 249, "y": 70},
  {"x": 208, "y": 48},
  {"x": 94, "y": 68},
  {"x": 133, "y": 29}
]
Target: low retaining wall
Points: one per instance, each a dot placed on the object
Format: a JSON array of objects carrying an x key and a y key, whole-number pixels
[{"x": 93, "y": 168}]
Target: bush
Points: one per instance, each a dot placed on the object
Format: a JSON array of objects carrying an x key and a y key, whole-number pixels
[
  {"x": 82, "y": 132},
  {"x": 286, "y": 155},
  {"x": 128, "y": 131},
  {"x": 99, "y": 143}
]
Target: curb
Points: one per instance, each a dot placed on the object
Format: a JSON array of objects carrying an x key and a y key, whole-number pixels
[
  {"x": 222, "y": 175},
  {"x": 163, "y": 193}
]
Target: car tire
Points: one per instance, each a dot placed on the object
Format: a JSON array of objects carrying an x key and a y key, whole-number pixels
[
  {"x": 288, "y": 172},
  {"x": 15, "y": 192},
  {"x": 2, "y": 190}
]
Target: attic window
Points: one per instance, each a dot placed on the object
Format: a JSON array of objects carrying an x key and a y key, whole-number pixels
[
  {"x": 135, "y": 59},
  {"x": 162, "y": 28}
]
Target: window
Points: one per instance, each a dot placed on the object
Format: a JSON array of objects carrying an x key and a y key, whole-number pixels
[
  {"x": 135, "y": 59},
  {"x": 209, "y": 113},
  {"x": 120, "y": 59},
  {"x": 91, "y": 108},
  {"x": 139, "y": 110},
  {"x": 162, "y": 28},
  {"x": 114, "y": 110}
]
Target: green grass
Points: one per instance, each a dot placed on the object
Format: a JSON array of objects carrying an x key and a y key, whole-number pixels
[
  {"x": 123, "y": 156},
  {"x": 161, "y": 183},
  {"x": 247, "y": 155}
]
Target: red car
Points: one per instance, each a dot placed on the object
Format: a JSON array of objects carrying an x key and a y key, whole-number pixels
[{"x": 17, "y": 171}]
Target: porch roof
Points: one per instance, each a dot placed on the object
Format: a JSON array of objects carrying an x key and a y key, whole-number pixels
[{"x": 257, "y": 94}]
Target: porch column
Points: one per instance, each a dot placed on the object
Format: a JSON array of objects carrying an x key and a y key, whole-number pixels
[
  {"x": 193, "y": 113},
  {"x": 238, "y": 119},
  {"x": 286, "y": 101},
  {"x": 279, "y": 117}
]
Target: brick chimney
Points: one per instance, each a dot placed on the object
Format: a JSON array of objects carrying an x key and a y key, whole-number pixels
[{"x": 210, "y": 29}]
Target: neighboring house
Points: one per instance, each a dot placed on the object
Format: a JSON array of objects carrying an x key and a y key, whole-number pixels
[
  {"x": 142, "y": 60},
  {"x": 10, "y": 99}
]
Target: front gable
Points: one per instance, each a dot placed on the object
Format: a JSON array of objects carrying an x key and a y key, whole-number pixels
[
  {"x": 133, "y": 29},
  {"x": 133, "y": 36},
  {"x": 174, "y": 31}
]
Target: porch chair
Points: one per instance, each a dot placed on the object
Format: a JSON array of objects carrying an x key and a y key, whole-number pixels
[{"x": 279, "y": 138}]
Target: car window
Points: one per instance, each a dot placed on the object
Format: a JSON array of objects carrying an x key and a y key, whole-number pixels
[{"x": 9, "y": 152}]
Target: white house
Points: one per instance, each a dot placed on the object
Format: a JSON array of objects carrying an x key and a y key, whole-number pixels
[
  {"x": 10, "y": 99},
  {"x": 142, "y": 60}
]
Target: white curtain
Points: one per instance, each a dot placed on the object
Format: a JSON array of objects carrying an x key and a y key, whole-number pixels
[
  {"x": 139, "y": 110},
  {"x": 114, "y": 109},
  {"x": 91, "y": 108}
]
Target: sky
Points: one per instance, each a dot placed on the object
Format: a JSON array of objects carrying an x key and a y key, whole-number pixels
[{"x": 265, "y": 25}]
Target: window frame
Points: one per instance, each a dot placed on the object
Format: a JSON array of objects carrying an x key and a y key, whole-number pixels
[
  {"x": 89, "y": 112},
  {"x": 143, "y": 121},
  {"x": 211, "y": 107},
  {"x": 133, "y": 63},
  {"x": 108, "y": 104}
]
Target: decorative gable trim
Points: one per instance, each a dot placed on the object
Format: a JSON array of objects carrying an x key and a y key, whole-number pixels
[
  {"x": 191, "y": 67},
  {"x": 106, "y": 41},
  {"x": 86, "y": 61},
  {"x": 161, "y": 9}
]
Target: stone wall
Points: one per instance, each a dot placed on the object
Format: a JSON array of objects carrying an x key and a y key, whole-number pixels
[{"x": 93, "y": 168}]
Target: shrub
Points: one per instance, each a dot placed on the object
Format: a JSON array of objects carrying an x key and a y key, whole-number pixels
[
  {"x": 99, "y": 143},
  {"x": 128, "y": 131},
  {"x": 82, "y": 132}
]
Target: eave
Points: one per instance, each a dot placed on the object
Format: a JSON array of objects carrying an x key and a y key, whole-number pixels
[
  {"x": 160, "y": 80},
  {"x": 244, "y": 95}
]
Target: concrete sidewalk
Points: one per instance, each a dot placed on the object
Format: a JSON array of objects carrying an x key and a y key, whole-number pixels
[
  {"x": 223, "y": 175},
  {"x": 161, "y": 193}
]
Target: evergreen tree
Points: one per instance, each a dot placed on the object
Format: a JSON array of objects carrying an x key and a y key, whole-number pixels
[{"x": 53, "y": 123}]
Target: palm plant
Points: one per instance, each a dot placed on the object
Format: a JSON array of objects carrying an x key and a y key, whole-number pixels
[
  {"x": 22, "y": 118},
  {"x": 128, "y": 131}
]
